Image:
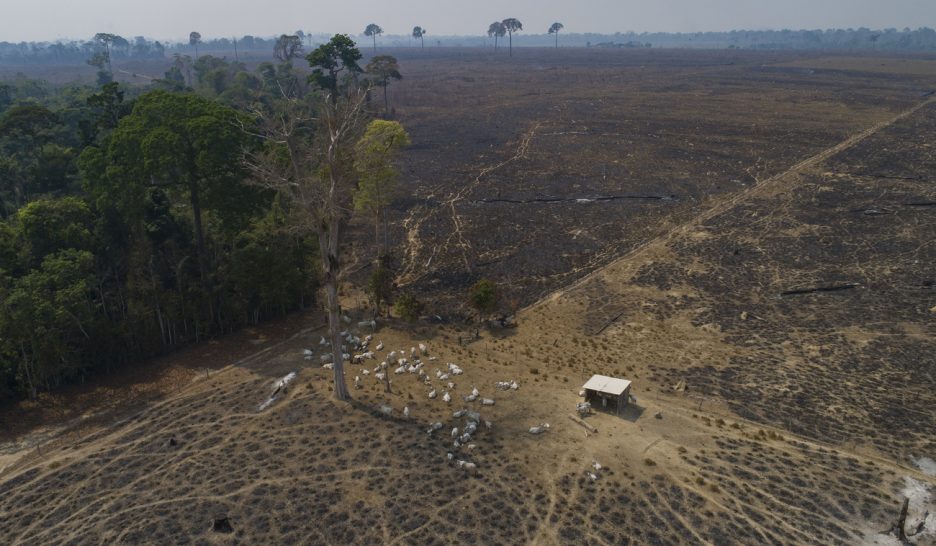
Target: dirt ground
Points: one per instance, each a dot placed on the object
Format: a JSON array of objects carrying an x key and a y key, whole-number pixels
[{"x": 779, "y": 332}]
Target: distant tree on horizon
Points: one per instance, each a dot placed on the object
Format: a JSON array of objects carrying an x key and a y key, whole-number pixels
[
  {"x": 512, "y": 25},
  {"x": 106, "y": 39},
  {"x": 340, "y": 54},
  {"x": 496, "y": 30},
  {"x": 418, "y": 33},
  {"x": 384, "y": 68},
  {"x": 372, "y": 31},
  {"x": 194, "y": 38},
  {"x": 554, "y": 29},
  {"x": 287, "y": 47}
]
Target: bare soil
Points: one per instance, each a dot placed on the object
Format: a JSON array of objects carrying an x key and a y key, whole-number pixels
[{"x": 799, "y": 414}]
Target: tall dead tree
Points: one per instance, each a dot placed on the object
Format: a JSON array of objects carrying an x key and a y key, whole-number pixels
[{"x": 309, "y": 159}]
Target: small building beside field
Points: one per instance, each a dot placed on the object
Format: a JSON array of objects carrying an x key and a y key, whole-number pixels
[{"x": 607, "y": 392}]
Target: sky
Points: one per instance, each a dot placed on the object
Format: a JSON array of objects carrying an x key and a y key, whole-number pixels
[{"x": 40, "y": 20}]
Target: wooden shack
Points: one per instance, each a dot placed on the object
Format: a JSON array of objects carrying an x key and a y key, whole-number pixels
[{"x": 607, "y": 393}]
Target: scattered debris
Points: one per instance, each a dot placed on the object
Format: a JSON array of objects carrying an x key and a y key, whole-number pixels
[
  {"x": 833, "y": 288},
  {"x": 583, "y": 408},
  {"x": 279, "y": 388},
  {"x": 584, "y": 424}
]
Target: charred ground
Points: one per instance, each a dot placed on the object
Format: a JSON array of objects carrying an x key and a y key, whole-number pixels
[{"x": 798, "y": 417}]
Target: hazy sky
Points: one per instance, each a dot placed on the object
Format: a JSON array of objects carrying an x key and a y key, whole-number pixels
[{"x": 173, "y": 19}]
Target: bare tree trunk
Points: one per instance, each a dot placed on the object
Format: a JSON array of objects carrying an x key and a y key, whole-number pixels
[
  {"x": 328, "y": 245},
  {"x": 200, "y": 247},
  {"x": 26, "y": 368},
  {"x": 902, "y": 520},
  {"x": 386, "y": 101}
]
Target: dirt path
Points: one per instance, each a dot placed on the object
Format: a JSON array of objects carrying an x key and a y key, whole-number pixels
[{"x": 413, "y": 223}]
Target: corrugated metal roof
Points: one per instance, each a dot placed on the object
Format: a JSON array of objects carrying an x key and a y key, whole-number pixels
[{"x": 607, "y": 385}]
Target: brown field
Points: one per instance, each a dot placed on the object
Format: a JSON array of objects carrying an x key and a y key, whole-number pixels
[{"x": 722, "y": 187}]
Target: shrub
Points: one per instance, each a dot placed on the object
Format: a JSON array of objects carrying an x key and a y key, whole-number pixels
[{"x": 408, "y": 307}]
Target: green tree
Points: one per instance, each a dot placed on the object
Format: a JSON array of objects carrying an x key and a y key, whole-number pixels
[
  {"x": 51, "y": 225},
  {"x": 329, "y": 60},
  {"x": 384, "y": 68},
  {"x": 6, "y": 96},
  {"x": 408, "y": 307},
  {"x": 107, "y": 107},
  {"x": 496, "y": 30},
  {"x": 194, "y": 38},
  {"x": 554, "y": 29},
  {"x": 512, "y": 25},
  {"x": 419, "y": 33},
  {"x": 484, "y": 297},
  {"x": 372, "y": 31},
  {"x": 375, "y": 154},
  {"x": 179, "y": 142},
  {"x": 46, "y": 312},
  {"x": 287, "y": 47},
  {"x": 380, "y": 284},
  {"x": 25, "y": 130}
]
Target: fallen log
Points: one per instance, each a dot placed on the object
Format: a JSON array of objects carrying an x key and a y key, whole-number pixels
[
  {"x": 588, "y": 427},
  {"x": 834, "y": 288},
  {"x": 873, "y": 212},
  {"x": 609, "y": 322},
  {"x": 576, "y": 199}
]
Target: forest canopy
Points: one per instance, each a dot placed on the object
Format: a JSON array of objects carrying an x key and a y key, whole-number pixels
[{"x": 130, "y": 224}]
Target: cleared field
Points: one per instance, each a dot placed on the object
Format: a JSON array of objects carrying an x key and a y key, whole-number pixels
[{"x": 782, "y": 280}]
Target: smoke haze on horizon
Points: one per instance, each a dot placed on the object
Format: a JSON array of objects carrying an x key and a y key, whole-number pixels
[{"x": 42, "y": 20}]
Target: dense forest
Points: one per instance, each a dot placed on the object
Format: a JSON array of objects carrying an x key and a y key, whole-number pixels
[
  {"x": 135, "y": 220},
  {"x": 140, "y": 47}
]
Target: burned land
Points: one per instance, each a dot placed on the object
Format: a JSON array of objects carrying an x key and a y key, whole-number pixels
[{"x": 746, "y": 236}]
